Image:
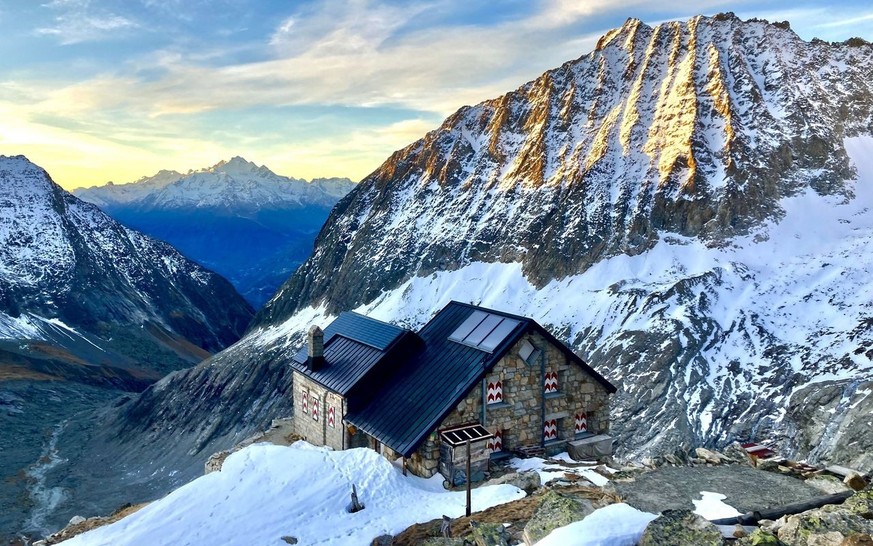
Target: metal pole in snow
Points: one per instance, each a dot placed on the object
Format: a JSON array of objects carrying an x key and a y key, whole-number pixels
[{"x": 469, "y": 480}]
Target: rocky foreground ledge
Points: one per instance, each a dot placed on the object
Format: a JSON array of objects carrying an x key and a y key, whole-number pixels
[{"x": 665, "y": 486}]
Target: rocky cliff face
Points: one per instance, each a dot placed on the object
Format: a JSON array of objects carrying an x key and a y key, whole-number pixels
[
  {"x": 693, "y": 128},
  {"x": 704, "y": 185},
  {"x": 687, "y": 205}
]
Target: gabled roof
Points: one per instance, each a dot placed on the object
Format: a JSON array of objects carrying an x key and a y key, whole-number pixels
[
  {"x": 353, "y": 345},
  {"x": 415, "y": 398},
  {"x": 410, "y": 401}
]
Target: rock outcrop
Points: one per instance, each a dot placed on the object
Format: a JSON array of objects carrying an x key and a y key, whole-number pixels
[{"x": 681, "y": 528}]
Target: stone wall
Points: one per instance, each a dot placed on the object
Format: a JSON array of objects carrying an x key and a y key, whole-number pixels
[
  {"x": 522, "y": 414},
  {"x": 318, "y": 431}
]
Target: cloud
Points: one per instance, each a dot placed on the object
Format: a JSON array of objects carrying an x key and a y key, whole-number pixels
[
  {"x": 354, "y": 53},
  {"x": 78, "y": 21}
]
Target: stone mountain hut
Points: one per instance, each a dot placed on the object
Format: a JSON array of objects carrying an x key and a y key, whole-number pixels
[{"x": 500, "y": 381}]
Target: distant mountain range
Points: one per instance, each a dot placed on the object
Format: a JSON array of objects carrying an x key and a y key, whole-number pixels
[
  {"x": 88, "y": 309},
  {"x": 241, "y": 220}
]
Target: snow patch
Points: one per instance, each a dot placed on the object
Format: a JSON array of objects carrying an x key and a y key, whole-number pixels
[{"x": 614, "y": 525}]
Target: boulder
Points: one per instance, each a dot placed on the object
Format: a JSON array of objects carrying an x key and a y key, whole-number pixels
[
  {"x": 855, "y": 481},
  {"x": 737, "y": 454},
  {"x": 709, "y": 456},
  {"x": 680, "y": 528},
  {"x": 554, "y": 511},
  {"x": 76, "y": 520},
  {"x": 528, "y": 481},
  {"x": 861, "y": 503},
  {"x": 831, "y": 525},
  {"x": 489, "y": 534},
  {"x": 827, "y": 484}
]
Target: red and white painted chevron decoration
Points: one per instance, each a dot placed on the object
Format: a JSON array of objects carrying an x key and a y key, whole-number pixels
[
  {"x": 315, "y": 408},
  {"x": 496, "y": 443},
  {"x": 551, "y": 382},
  {"x": 495, "y": 392},
  {"x": 304, "y": 403},
  {"x": 331, "y": 417},
  {"x": 581, "y": 422},
  {"x": 550, "y": 430}
]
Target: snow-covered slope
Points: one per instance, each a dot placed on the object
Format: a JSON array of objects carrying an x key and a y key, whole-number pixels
[
  {"x": 243, "y": 221},
  {"x": 265, "y": 492}
]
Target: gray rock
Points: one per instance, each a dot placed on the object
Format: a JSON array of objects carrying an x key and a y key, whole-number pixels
[
  {"x": 555, "y": 510},
  {"x": 529, "y": 480},
  {"x": 489, "y": 534},
  {"x": 735, "y": 453},
  {"x": 760, "y": 537},
  {"x": 831, "y": 525},
  {"x": 680, "y": 528},
  {"x": 827, "y": 484}
]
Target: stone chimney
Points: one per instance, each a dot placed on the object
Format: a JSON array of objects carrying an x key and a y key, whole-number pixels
[{"x": 315, "y": 348}]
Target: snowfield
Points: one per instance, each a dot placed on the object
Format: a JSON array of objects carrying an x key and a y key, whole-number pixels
[{"x": 265, "y": 492}]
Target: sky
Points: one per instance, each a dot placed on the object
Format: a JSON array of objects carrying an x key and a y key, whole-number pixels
[{"x": 114, "y": 90}]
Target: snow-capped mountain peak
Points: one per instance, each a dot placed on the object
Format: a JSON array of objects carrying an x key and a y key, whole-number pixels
[
  {"x": 235, "y": 184},
  {"x": 53, "y": 246}
]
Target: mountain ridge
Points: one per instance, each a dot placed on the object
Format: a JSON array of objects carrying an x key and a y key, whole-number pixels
[
  {"x": 218, "y": 186},
  {"x": 237, "y": 218}
]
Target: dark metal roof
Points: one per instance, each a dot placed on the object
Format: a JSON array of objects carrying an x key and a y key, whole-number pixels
[
  {"x": 345, "y": 362},
  {"x": 361, "y": 328},
  {"x": 353, "y": 345},
  {"x": 414, "y": 398}
]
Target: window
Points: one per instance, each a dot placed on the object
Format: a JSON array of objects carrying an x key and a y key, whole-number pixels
[
  {"x": 550, "y": 430},
  {"x": 525, "y": 350},
  {"x": 331, "y": 417},
  {"x": 314, "y": 409},
  {"x": 304, "y": 403},
  {"x": 581, "y": 422},
  {"x": 550, "y": 383},
  {"x": 495, "y": 392},
  {"x": 496, "y": 443}
]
